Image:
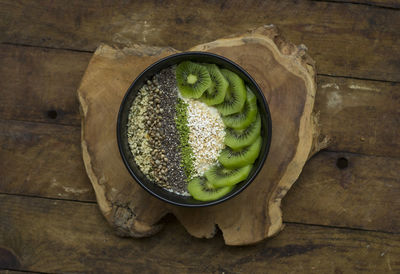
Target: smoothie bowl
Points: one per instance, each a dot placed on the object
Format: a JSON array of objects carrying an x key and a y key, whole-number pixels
[{"x": 194, "y": 129}]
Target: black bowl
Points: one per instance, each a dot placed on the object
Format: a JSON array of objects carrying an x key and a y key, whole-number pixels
[{"x": 147, "y": 74}]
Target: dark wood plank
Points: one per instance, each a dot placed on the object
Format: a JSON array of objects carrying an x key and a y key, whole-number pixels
[
  {"x": 360, "y": 116},
  {"x": 15, "y": 272},
  {"x": 345, "y": 39},
  {"x": 40, "y": 84},
  {"x": 63, "y": 236},
  {"x": 43, "y": 160},
  {"x": 363, "y": 194},
  {"x": 395, "y": 4}
]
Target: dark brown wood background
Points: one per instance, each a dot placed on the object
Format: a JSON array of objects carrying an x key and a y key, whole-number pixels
[{"x": 338, "y": 219}]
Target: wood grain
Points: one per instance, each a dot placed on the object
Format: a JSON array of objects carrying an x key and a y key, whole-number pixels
[
  {"x": 43, "y": 160},
  {"x": 339, "y": 35},
  {"x": 378, "y": 3},
  {"x": 322, "y": 193},
  {"x": 14, "y": 272},
  {"x": 366, "y": 190},
  {"x": 372, "y": 107},
  {"x": 35, "y": 81},
  {"x": 254, "y": 214},
  {"x": 50, "y": 236},
  {"x": 382, "y": 96},
  {"x": 359, "y": 116}
]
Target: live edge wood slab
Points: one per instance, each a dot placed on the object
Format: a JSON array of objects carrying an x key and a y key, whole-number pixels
[{"x": 286, "y": 75}]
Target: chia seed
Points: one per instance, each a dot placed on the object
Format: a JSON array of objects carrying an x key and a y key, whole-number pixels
[
  {"x": 176, "y": 178},
  {"x": 152, "y": 133}
]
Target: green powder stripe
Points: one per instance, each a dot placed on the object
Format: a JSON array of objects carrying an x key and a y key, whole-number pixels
[{"x": 182, "y": 126}]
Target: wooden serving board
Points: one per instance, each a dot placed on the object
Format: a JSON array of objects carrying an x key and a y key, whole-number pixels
[{"x": 286, "y": 75}]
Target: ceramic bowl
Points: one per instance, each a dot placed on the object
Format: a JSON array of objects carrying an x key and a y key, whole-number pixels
[{"x": 147, "y": 74}]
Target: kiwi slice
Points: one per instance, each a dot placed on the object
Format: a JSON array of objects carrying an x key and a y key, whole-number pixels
[
  {"x": 192, "y": 79},
  {"x": 203, "y": 190},
  {"x": 235, "y": 95},
  {"x": 215, "y": 94},
  {"x": 247, "y": 116},
  {"x": 230, "y": 158},
  {"x": 239, "y": 138},
  {"x": 220, "y": 176}
]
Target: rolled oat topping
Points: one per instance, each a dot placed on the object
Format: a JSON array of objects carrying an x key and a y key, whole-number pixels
[{"x": 207, "y": 133}]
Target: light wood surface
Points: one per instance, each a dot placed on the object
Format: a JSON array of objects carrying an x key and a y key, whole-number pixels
[{"x": 286, "y": 76}]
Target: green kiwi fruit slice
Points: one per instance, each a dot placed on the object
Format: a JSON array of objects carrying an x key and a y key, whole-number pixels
[
  {"x": 219, "y": 176},
  {"x": 230, "y": 158},
  {"x": 247, "y": 116},
  {"x": 215, "y": 94},
  {"x": 235, "y": 96},
  {"x": 192, "y": 79},
  {"x": 239, "y": 138},
  {"x": 203, "y": 190}
]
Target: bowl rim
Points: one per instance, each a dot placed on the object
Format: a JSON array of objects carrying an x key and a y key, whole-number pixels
[{"x": 268, "y": 130}]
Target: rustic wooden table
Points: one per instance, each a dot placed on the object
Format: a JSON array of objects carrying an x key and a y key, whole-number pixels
[{"x": 341, "y": 216}]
